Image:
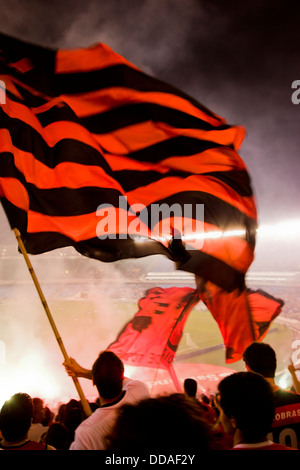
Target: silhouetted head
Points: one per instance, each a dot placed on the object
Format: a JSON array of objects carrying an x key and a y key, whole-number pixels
[
  {"x": 108, "y": 375},
  {"x": 190, "y": 387},
  {"x": 247, "y": 401},
  {"x": 16, "y": 417},
  {"x": 261, "y": 358}
]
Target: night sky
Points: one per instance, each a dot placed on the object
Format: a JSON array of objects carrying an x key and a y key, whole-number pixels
[{"x": 237, "y": 58}]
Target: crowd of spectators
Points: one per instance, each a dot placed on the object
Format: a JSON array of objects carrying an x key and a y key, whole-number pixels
[{"x": 249, "y": 411}]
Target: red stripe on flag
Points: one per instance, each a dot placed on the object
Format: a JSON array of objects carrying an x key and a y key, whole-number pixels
[
  {"x": 95, "y": 57},
  {"x": 14, "y": 191}
]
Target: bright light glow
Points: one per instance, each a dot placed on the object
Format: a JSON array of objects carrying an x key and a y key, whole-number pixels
[
  {"x": 202, "y": 236},
  {"x": 215, "y": 234},
  {"x": 141, "y": 239},
  {"x": 235, "y": 233},
  {"x": 286, "y": 229},
  {"x": 32, "y": 377},
  {"x": 284, "y": 381},
  {"x": 129, "y": 371}
]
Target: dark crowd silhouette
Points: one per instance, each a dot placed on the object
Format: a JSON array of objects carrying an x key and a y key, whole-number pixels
[{"x": 248, "y": 412}]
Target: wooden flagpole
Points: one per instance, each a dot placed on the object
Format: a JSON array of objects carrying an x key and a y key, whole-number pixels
[
  {"x": 174, "y": 378},
  {"x": 171, "y": 369},
  {"x": 84, "y": 402}
]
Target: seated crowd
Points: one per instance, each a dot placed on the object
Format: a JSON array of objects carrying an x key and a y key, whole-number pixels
[{"x": 249, "y": 412}]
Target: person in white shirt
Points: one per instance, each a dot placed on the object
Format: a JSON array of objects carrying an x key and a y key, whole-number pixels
[{"x": 114, "y": 391}]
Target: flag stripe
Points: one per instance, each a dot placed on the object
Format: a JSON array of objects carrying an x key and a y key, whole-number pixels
[
  {"x": 136, "y": 137},
  {"x": 97, "y": 108},
  {"x": 19, "y": 119},
  {"x": 194, "y": 190},
  {"x": 49, "y": 202},
  {"x": 175, "y": 146},
  {"x": 133, "y": 115},
  {"x": 219, "y": 272},
  {"x": 50, "y": 136},
  {"x": 202, "y": 264},
  {"x": 74, "y": 175},
  {"x": 214, "y": 159},
  {"x": 13, "y": 190},
  {"x": 132, "y": 179},
  {"x": 118, "y": 76},
  {"x": 127, "y": 179},
  {"x": 87, "y": 59},
  {"x": 55, "y": 132},
  {"x": 109, "y": 250},
  {"x": 65, "y": 174},
  {"x": 200, "y": 183},
  {"x": 52, "y": 150},
  {"x": 111, "y": 111},
  {"x": 84, "y": 226}
]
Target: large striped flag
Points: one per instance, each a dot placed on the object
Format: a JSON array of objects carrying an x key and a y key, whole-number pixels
[{"x": 97, "y": 155}]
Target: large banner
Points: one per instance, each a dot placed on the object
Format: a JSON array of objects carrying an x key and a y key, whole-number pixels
[
  {"x": 95, "y": 154},
  {"x": 151, "y": 338}
]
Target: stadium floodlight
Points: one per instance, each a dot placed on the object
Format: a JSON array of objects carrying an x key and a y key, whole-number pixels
[{"x": 284, "y": 229}]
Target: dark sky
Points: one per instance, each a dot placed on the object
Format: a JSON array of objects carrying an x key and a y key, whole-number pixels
[{"x": 239, "y": 58}]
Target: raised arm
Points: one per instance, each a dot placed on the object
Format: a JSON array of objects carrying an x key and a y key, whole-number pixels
[
  {"x": 74, "y": 369},
  {"x": 296, "y": 382}
]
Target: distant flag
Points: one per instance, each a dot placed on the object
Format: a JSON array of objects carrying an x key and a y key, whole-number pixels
[
  {"x": 89, "y": 144},
  {"x": 152, "y": 336},
  {"x": 242, "y": 317}
]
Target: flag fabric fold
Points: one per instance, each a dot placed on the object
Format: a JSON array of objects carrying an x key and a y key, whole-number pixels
[
  {"x": 94, "y": 154},
  {"x": 242, "y": 316},
  {"x": 152, "y": 336}
]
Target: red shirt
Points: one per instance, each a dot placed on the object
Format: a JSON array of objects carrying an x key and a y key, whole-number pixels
[
  {"x": 28, "y": 445},
  {"x": 266, "y": 445},
  {"x": 286, "y": 425}
]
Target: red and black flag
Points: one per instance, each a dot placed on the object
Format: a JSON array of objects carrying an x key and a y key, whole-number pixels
[
  {"x": 152, "y": 336},
  {"x": 91, "y": 148},
  {"x": 242, "y": 317}
]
